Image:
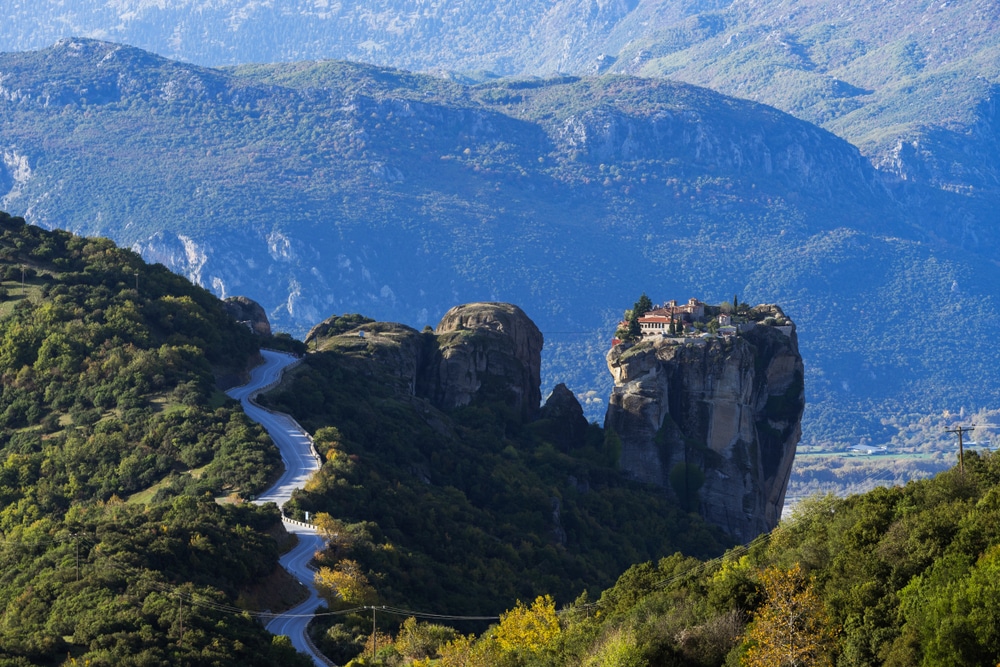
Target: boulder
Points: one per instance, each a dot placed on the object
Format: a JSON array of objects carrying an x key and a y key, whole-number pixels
[
  {"x": 485, "y": 351},
  {"x": 567, "y": 425}
]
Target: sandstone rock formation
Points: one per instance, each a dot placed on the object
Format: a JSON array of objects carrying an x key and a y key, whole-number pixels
[
  {"x": 715, "y": 422},
  {"x": 564, "y": 412},
  {"x": 479, "y": 352},
  {"x": 249, "y": 312},
  {"x": 490, "y": 351}
]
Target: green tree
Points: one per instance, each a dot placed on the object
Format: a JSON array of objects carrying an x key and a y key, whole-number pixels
[
  {"x": 619, "y": 648},
  {"x": 420, "y": 641},
  {"x": 634, "y": 330},
  {"x": 642, "y": 306},
  {"x": 686, "y": 479}
]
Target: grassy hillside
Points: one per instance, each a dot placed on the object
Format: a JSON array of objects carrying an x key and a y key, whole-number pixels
[{"x": 108, "y": 391}]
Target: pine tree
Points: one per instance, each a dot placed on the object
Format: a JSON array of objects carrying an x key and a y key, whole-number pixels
[{"x": 642, "y": 306}]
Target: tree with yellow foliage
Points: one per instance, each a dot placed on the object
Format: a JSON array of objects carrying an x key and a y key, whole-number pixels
[
  {"x": 466, "y": 651},
  {"x": 791, "y": 628},
  {"x": 529, "y": 629},
  {"x": 339, "y": 539},
  {"x": 344, "y": 582},
  {"x": 522, "y": 631}
]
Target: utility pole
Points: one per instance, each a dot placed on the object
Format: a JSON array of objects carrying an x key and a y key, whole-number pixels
[
  {"x": 961, "y": 430},
  {"x": 180, "y": 615},
  {"x": 77, "y": 556},
  {"x": 374, "y": 638}
]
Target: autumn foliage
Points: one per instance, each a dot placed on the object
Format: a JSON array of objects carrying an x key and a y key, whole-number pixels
[{"x": 791, "y": 629}]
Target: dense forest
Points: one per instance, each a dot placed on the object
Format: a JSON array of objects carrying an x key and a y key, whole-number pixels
[
  {"x": 897, "y": 577},
  {"x": 114, "y": 443}
]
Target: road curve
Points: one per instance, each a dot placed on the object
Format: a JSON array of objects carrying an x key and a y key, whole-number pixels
[{"x": 301, "y": 461}]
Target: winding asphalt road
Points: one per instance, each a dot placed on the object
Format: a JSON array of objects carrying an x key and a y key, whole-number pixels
[{"x": 300, "y": 461}]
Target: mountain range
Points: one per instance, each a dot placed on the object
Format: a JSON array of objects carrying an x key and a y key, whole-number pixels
[
  {"x": 838, "y": 159},
  {"x": 328, "y": 187},
  {"x": 912, "y": 84}
]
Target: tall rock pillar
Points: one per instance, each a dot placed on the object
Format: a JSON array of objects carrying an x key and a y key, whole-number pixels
[{"x": 714, "y": 421}]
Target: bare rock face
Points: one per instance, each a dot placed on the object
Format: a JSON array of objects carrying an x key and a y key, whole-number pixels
[
  {"x": 479, "y": 352},
  {"x": 565, "y": 414},
  {"x": 249, "y": 312},
  {"x": 715, "y": 422},
  {"x": 486, "y": 351}
]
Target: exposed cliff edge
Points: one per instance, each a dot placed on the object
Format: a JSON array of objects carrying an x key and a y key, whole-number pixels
[
  {"x": 714, "y": 421},
  {"x": 478, "y": 352},
  {"x": 247, "y": 311}
]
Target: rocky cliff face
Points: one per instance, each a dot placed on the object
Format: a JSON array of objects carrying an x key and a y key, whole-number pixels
[
  {"x": 565, "y": 414},
  {"x": 249, "y": 312},
  {"x": 479, "y": 352},
  {"x": 486, "y": 350},
  {"x": 715, "y": 422}
]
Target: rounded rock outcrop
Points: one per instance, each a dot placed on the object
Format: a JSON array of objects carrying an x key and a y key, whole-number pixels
[
  {"x": 487, "y": 351},
  {"x": 247, "y": 311}
]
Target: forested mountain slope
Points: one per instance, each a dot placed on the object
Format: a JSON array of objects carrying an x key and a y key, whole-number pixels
[
  {"x": 321, "y": 188},
  {"x": 443, "y": 493},
  {"x": 895, "y": 577},
  {"x": 113, "y": 443}
]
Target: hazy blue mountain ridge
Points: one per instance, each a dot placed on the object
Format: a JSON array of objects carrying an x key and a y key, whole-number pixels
[
  {"x": 321, "y": 188},
  {"x": 885, "y": 76}
]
